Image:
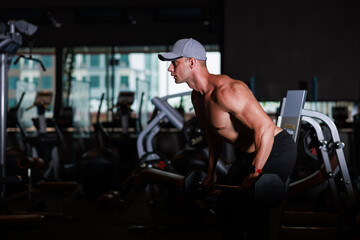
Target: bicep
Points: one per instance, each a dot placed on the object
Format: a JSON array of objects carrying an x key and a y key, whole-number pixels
[{"x": 242, "y": 104}]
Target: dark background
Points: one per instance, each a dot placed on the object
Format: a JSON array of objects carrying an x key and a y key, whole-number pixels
[{"x": 281, "y": 44}]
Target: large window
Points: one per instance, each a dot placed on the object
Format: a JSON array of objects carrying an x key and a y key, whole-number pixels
[
  {"x": 136, "y": 69},
  {"x": 91, "y": 72}
]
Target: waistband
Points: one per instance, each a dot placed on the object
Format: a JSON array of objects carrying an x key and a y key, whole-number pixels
[{"x": 281, "y": 134}]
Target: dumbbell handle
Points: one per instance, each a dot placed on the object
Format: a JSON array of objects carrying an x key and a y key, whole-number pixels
[
  {"x": 228, "y": 187},
  {"x": 223, "y": 187}
]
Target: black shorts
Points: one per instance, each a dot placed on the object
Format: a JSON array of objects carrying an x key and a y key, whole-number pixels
[{"x": 281, "y": 160}]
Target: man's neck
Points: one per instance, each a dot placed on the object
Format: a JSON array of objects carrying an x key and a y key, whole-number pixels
[{"x": 203, "y": 82}]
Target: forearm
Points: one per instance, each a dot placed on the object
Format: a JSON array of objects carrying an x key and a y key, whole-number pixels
[{"x": 263, "y": 146}]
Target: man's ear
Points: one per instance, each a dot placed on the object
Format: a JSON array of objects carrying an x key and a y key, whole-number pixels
[{"x": 192, "y": 62}]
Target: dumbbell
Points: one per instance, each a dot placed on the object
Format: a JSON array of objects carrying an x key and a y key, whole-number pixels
[
  {"x": 194, "y": 135},
  {"x": 268, "y": 190}
]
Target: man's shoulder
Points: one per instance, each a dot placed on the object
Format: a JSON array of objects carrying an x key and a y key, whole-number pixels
[{"x": 231, "y": 86}]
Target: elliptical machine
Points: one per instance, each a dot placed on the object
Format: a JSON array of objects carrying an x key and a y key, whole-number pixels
[
  {"x": 122, "y": 116},
  {"x": 45, "y": 144},
  {"x": 100, "y": 168}
]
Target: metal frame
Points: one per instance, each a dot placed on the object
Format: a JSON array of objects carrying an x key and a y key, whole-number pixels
[
  {"x": 10, "y": 43},
  {"x": 165, "y": 113},
  {"x": 292, "y": 112}
]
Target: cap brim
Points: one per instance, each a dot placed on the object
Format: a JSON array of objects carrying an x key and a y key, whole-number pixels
[{"x": 168, "y": 56}]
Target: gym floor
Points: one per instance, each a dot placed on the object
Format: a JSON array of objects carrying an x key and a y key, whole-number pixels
[{"x": 86, "y": 222}]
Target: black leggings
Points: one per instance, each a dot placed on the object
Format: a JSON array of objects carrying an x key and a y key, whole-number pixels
[{"x": 239, "y": 215}]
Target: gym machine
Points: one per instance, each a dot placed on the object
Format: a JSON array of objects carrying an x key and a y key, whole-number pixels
[
  {"x": 291, "y": 115},
  {"x": 123, "y": 111},
  {"x": 122, "y": 118},
  {"x": 345, "y": 206},
  {"x": 42, "y": 159},
  {"x": 103, "y": 167},
  {"x": 156, "y": 173},
  {"x": 45, "y": 144}
]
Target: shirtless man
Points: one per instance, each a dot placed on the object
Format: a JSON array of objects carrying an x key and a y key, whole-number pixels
[{"x": 229, "y": 112}]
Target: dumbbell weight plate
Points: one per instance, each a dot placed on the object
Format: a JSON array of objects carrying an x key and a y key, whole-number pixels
[
  {"x": 191, "y": 180},
  {"x": 194, "y": 135}
]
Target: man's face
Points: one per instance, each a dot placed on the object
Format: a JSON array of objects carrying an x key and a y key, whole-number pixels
[{"x": 180, "y": 70}]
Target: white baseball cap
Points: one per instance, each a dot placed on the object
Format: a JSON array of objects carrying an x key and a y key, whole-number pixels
[{"x": 186, "y": 47}]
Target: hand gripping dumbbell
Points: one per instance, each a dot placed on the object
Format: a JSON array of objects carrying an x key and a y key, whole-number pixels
[{"x": 268, "y": 189}]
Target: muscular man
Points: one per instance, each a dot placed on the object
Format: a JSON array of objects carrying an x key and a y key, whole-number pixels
[{"x": 229, "y": 112}]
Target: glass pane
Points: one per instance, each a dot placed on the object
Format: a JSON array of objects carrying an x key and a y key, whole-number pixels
[
  {"x": 28, "y": 76},
  {"x": 46, "y": 82},
  {"x": 12, "y": 102},
  {"x": 14, "y": 66},
  {"x": 124, "y": 82},
  {"x": 12, "y": 82},
  {"x": 95, "y": 81},
  {"x": 95, "y": 60},
  {"x": 79, "y": 99},
  {"x": 25, "y": 115},
  {"x": 47, "y": 61}
]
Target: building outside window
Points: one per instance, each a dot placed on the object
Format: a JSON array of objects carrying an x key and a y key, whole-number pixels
[
  {"x": 124, "y": 82},
  {"x": 95, "y": 60},
  {"x": 47, "y": 61},
  {"x": 12, "y": 83},
  {"x": 46, "y": 82},
  {"x": 95, "y": 81}
]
